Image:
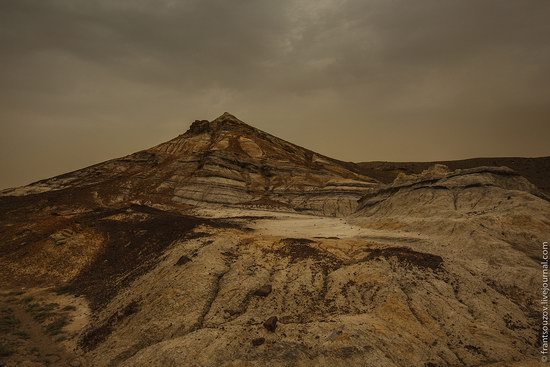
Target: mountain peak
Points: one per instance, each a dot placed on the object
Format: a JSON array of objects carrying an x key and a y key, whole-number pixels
[{"x": 226, "y": 116}]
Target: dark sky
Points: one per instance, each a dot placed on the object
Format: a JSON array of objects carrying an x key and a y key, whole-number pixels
[{"x": 82, "y": 81}]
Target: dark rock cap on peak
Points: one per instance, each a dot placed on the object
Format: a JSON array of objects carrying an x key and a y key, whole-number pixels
[
  {"x": 226, "y": 121},
  {"x": 199, "y": 126}
]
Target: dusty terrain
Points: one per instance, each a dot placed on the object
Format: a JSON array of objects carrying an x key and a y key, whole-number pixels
[{"x": 229, "y": 247}]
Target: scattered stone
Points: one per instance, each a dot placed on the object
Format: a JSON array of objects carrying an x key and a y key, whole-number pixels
[
  {"x": 263, "y": 291},
  {"x": 271, "y": 323},
  {"x": 183, "y": 260},
  {"x": 336, "y": 332},
  {"x": 258, "y": 341}
]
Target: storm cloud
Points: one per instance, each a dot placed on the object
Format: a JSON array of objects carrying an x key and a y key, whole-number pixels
[{"x": 83, "y": 81}]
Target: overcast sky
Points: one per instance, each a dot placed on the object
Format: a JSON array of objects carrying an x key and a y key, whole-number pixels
[{"x": 82, "y": 81}]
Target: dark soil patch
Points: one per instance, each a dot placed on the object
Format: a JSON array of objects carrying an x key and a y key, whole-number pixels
[
  {"x": 300, "y": 249},
  {"x": 474, "y": 349},
  {"x": 5, "y": 351},
  {"x": 408, "y": 257},
  {"x": 302, "y": 252},
  {"x": 93, "y": 337},
  {"x": 132, "y": 248},
  {"x": 56, "y": 326}
]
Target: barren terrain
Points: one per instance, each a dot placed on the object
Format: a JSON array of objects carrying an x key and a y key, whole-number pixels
[{"x": 230, "y": 247}]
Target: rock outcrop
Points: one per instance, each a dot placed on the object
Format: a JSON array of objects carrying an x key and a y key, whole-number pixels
[
  {"x": 536, "y": 170},
  {"x": 436, "y": 192}
]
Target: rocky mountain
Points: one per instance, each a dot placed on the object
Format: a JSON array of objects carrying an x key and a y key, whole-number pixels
[
  {"x": 227, "y": 246},
  {"x": 221, "y": 162}
]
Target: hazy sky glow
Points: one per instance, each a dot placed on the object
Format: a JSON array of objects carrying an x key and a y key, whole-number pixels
[{"x": 82, "y": 81}]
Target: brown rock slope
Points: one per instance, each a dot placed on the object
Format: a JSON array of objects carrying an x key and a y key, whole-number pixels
[{"x": 221, "y": 162}]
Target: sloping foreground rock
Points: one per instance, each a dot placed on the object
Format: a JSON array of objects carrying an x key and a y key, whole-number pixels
[
  {"x": 379, "y": 298},
  {"x": 488, "y": 224}
]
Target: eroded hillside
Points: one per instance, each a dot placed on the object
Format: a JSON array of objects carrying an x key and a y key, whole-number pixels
[{"x": 229, "y": 247}]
